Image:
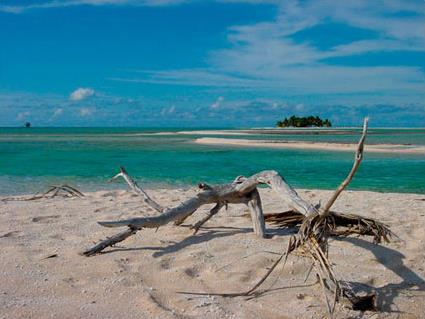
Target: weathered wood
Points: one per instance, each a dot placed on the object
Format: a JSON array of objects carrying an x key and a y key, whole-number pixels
[
  {"x": 234, "y": 193},
  {"x": 53, "y": 191},
  {"x": 241, "y": 191},
  {"x": 169, "y": 215},
  {"x": 278, "y": 184},
  {"x": 211, "y": 213},
  {"x": 257, "y": 217},
  {"x": 109, "y": 242},
  {"x": 137, "y": 189},
  {"x": 357, "y": 160}
]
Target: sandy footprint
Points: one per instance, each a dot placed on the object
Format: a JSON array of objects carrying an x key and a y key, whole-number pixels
[
  {"x": 44, "y": 218},
  {"x": 12, "y": 233}
]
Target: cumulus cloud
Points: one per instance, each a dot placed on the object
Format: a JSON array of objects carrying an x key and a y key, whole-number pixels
[
  {"x": 217, "y": 103},
  {"x": 81, "y": 94},
  {"x": 23, "y": 115},
  {"x": 16, "y": 109},
  {"x": 57, "y": 112},
  {"x": 86, "y": 111},
  {"x": 168, "y": 110}
]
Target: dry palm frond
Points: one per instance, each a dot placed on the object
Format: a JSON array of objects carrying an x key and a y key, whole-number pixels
[{"x": 338, "y": 224}]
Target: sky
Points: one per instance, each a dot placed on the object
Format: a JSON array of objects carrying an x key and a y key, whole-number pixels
[{"x": 223, "y": 63}]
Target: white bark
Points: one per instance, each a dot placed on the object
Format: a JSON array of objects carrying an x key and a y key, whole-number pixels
[
  {"x": 137, "y": 189},
  {"x": 357, "y": 160},
  {"x": 239, "y": 192}
]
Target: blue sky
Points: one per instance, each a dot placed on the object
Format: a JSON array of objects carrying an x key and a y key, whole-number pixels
[{"x": 211, "y": 63}]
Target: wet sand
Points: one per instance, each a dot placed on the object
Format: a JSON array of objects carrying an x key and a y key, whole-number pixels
[{"x": 376, "y": 148}]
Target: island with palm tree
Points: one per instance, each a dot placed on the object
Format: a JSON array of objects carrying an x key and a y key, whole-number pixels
[{"x": 309, "y": 121}]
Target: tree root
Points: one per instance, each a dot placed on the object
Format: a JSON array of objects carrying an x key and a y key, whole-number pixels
[{"x": 339, "y": 224}]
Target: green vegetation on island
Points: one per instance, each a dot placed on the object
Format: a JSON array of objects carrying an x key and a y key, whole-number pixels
[{"x": 309, "y": 121}]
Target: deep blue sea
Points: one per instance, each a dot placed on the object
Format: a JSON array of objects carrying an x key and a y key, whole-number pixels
[{"x": 32, "y": 159}]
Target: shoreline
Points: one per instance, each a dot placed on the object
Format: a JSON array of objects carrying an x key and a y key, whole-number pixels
[
  {"x": 4, "y": 198},
  {"x": 376, "y": 148},
  {"x": 152, "y": 188}
]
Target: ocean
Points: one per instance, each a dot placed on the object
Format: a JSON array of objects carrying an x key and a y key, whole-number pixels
[{"x": 32, "y": 159}]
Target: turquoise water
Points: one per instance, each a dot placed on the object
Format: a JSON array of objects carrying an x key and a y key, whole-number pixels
[{"x": 32, "y": 159}]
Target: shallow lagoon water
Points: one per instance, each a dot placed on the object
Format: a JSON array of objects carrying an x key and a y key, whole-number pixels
[{"x": 32, "y": 159}]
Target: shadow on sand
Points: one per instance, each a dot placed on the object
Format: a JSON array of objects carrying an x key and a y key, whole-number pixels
[
  {"x": 392, "y": 260},
  {"x": 207, "y": 235}
]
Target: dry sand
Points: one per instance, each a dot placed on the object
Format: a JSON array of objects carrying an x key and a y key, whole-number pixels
[
  {"x": 141, "y": 277},
  {"x": 378, "y": 148}
]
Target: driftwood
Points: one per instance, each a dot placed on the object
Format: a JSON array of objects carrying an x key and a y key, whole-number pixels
[
  {"x": 62, "y": 190},
  {"x": 241, "y": 191},
  {"x": 314, "y": 225}
]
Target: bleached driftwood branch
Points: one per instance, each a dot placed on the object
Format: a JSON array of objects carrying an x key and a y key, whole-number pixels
[
  {"x": 62, "y": 190},
  {"x": 241, "y": 191},
  {"x": 357, "y": 160},
  {"x": 138, "y": 190}
]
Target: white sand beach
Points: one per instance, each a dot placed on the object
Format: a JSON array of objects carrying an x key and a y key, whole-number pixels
[
  {"x": 378, "y": 148},
  {"x": 43, "y": 275}
]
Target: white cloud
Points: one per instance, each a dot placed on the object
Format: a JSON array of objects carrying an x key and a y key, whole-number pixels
[
  {"x": 299, "y": 107},
  {"x": 168, "y": 110},
  {"x": 23, "y": 115},
  {"x": 217, "y": 103},
  {"x": 265, "y": 48},
  {"x": 86, "y": 111},
  {"x": 81, "y": 94},
  {"x": 240, "y": 110},
  {"x": 72, "y": 3},
  {"x": 57, "y": 112},
  {"x": 265, "y": 55},
  {"x": 301, "y": 79}
]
